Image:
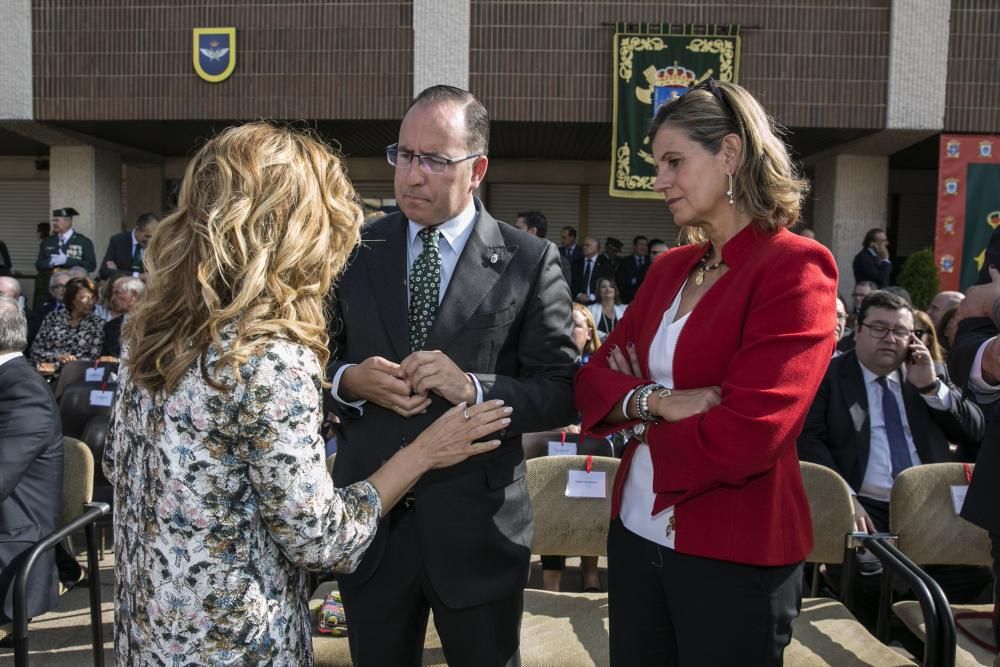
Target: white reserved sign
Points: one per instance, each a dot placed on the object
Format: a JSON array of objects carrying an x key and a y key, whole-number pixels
[
  {"x": 583, "y": 484},
  {"x": 557, "y": 448},
  {"x": 958, "y": 492},
  {"x": 95, "y": 374},
  {"x": 100, "y": 398}
]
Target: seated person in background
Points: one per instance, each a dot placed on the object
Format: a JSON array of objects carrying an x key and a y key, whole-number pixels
[
  {"x": 874, "y": 416},
  {"x": 74, "y": 332},
  {"x": 841, "y": 327},
  {"x": 125, "y": 295},
  {"x": 586, "y": 339},
  {"x": 103, "y": 307},
  {"x": 949, "y": 328},
  {"x": 609, "y": 308},
  {"x": 11, "y": 288},
  {"x": 31, "y": 466},
  {"x": 53, "y": 301},
  {"x": 941, "y": 303},
  {"x": 923, "y": 324}
]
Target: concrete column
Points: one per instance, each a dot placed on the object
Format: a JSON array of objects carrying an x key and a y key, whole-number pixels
[
  {"x": 852, "y": 196},
  {"x": 15, "y": 60},
  {"x": 441, "y": 43},
  {"x": 918, "y": 64},
  {"x": 89, "y": 180},
  {"x": 143, "y": 192}
]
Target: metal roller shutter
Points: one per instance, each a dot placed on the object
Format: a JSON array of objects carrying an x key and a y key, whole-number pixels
[
  {"x": 559, "y": 203},
  {"x": 627, "y": 218},
  {"x": 23, "y": 204},
  {"x": 917, "y": 220}
]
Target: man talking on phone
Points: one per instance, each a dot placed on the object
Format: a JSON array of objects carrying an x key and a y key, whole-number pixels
[
  {"x": 881, "y": 409},
  {"x": 873, "y": 263}
]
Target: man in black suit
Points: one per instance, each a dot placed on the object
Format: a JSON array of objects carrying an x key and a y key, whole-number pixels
[
  {"x": 632, "y": 270},
  {"x": 31, "y": 461},
  {"x": 6, "y": 267},
  {"x": 125, "y": 249},
  {"x": 974, "y": 361},
  {"x": 587, "y": 271},
  {"x": 443, "y": 305},
  {"x": 569, "y": 248},
  {"x": 872, "y": 263},
  {"x": 873, "y": 417},
  {"x": 536, "y": 224}
]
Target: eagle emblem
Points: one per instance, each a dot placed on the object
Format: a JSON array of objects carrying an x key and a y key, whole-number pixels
[{"x": 214, "y": 53}]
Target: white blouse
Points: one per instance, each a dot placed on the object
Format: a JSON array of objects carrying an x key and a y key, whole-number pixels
[{"x": 637, "y": 494}]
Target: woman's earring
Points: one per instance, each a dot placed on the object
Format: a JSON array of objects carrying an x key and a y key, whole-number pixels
[{"x": 729, "y": 193}]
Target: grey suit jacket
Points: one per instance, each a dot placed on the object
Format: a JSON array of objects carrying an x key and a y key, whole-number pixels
[{"x": 506, "y": 318}]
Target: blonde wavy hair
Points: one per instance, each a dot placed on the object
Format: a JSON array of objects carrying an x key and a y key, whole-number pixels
[
  {"x": 766, "y": 183},
  {"x": 265, "y": 221},
  {"x": 593, "y": 336}
]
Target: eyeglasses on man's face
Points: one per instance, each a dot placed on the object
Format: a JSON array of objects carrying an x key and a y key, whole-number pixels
[
  {"x": 880, "y": 331},
  {"x": 432, "y": 164}
]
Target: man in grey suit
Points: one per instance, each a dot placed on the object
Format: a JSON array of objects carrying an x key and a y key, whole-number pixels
[
  {"x": 443, "y": 305},
  {"x": 31, "y": 467}
]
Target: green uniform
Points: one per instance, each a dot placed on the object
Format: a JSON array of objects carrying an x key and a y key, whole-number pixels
[{"x": 78, "y": 249}]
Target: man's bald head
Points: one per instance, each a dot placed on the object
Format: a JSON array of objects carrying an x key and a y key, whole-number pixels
[
  {"x": 10, "y": 288},
  {"x": 942, "y": 302}
]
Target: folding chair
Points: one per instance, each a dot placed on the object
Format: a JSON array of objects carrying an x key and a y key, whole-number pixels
[
  {"x": 825, "y": 632},
  {"x": 76, "y": 407},
  {"x": 77, "y": 512},
  {"x": 922, "y": 515}
]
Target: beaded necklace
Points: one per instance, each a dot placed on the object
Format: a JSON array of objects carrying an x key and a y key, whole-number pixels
[{"x": 704, "y": 268}]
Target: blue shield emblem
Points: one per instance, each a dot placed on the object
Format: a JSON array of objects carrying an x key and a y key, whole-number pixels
[
  {"x": 214, "y": 53},
  {"x": 670, "y": 83}
]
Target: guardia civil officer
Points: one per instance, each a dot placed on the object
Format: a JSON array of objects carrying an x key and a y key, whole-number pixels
[{"x": 66, "y": 247}]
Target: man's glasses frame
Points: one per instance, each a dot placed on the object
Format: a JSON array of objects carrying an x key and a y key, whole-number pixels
[
  {"x": 431, "y": 164},
  {"x": 880, "y": 331}
]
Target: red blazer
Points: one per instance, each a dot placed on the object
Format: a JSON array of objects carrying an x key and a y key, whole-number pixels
[{"x": 764, "y": 333}]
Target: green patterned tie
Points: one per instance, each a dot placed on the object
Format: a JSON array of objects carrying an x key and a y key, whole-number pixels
[{"x": 425, "y": 286}]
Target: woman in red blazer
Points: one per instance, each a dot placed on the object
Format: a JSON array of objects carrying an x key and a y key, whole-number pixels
[{"x": 713, "y": 367}]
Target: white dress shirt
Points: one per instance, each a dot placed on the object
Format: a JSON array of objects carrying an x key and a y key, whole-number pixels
[
  {"x": 637, "y": 495},
  {"x": 877, "y": 483},
  {"x": 455, "y": 233},
  {"x": 985, "y": 393}
]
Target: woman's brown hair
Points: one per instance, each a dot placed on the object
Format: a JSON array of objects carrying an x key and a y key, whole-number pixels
[{"x": 766, "y": 183}]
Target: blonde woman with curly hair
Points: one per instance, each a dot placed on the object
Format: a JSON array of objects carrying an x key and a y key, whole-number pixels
[
  {"x": 712, "y": 369},
  {"x": 221, "y": 493}
]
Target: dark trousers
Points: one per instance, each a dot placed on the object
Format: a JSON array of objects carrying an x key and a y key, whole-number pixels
[
  {"x": 667, "y": 608},
  {"x": 387, "y": 614},
  {"x": 961, "y": 583}
]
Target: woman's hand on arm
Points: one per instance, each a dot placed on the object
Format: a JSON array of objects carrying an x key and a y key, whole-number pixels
[
  {"x": 683, "y": 403},
  {"x": 449, "y": 440},
  {"x": 678, "y": 404}
]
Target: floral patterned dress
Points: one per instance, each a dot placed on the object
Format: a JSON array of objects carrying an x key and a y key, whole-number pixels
[
  {"x": 57, "y": 336},
  {"x": 220, "y": 499}
]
